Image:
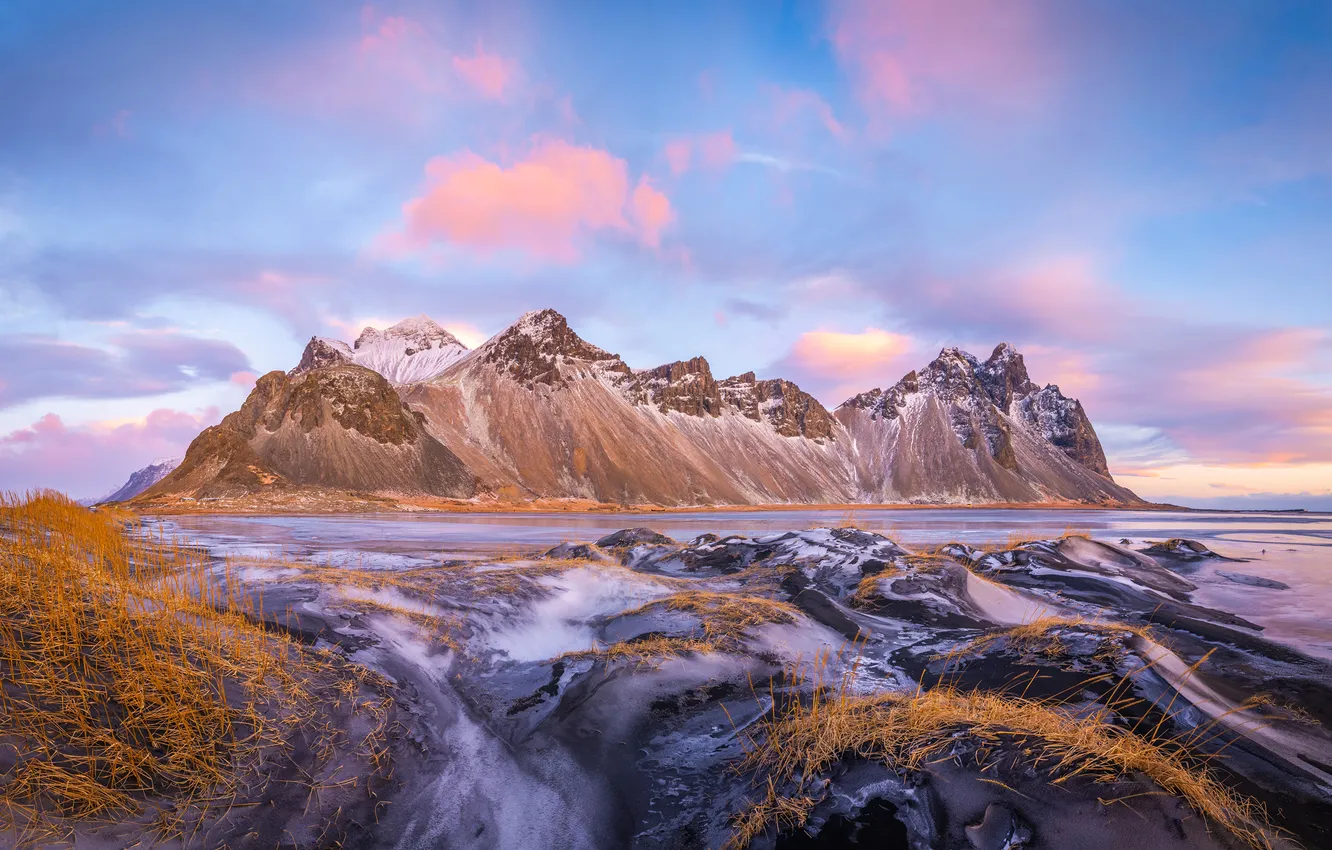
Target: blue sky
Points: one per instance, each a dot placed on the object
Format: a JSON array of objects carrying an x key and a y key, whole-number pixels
[{"x": 1138, "y": 195}]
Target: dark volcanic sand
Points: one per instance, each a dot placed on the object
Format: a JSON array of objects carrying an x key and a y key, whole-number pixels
[{"x": 505, "y": 740}]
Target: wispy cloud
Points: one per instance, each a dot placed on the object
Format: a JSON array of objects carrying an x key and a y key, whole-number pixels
[
  {"x": 785, "y": 164},
  {"x": 142, "y": 363}
]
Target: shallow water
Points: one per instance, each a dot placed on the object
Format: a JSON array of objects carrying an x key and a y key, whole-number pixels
[{"x": 1292, "y": 548}]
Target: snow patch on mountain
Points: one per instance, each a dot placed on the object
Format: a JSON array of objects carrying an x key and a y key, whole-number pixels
[
  {"x": 142, "y": 479},
  {"x": 409, "y": 352}
]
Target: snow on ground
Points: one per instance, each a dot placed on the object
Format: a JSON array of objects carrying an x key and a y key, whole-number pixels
[
  {"x": 558, "y": 622},
  {"x": 392, "y": 598},
  {"x": 1006, "y": 606}
]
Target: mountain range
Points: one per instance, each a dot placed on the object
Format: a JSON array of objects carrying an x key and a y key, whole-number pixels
[{"x": 409, "y": 413}]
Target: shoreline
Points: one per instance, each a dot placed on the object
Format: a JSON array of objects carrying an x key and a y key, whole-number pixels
[{"x": 553, "y": 507}]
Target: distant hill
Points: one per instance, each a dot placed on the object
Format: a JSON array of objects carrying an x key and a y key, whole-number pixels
[{"x": 142, "y": 480}]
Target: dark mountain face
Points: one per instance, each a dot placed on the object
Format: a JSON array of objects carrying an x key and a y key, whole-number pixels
[
  {"x": 957, "y": 378},
  {"x": 533, "y": 349},
  {"x": 537, "y": 411},
  {"x": 320, "y": 352},
  {"x": 340, "y": 426}
]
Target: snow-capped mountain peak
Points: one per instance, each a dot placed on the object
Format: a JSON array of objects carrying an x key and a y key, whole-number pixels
[
  {"x": 549, "y": 331},
  {"x": 420, "y": 332},
  {"x": 541, "y": 348},
  {"x": 409, "y": 352},
  {"x": 989, "y": 397}
]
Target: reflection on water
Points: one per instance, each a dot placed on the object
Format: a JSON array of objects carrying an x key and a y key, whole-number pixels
[{"x": 1295, "y": 549}]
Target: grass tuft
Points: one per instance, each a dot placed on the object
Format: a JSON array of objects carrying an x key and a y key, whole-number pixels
[
  {"x": 1044, "y": 636},
  {"x": 134, "y": 680},
  {"x": 793, "y": 749}
]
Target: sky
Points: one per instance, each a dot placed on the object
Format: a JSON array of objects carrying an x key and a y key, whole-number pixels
[{"x": 1138, "y": 195}]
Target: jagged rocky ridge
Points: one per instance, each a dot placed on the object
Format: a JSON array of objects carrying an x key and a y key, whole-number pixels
[
  {"x": 539, "y": 412},
  {"x": 413, "y": 350},
  {"x": 982, "y": 430}
]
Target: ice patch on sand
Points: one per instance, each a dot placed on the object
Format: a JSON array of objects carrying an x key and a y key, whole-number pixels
[
  {"x": 803, "y": 640},
  {"x": 406, "y": 641},
  {"x": 391, "y": 598},
  {"x": 1005, "y": 606},
  {"x": 259, "y": 572},
  {"x": 559, "y": 622}
]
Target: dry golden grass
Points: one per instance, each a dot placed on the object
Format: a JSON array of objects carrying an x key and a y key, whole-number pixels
[
  {"x": 133, "y": 679},
  {"x": 1044, "y": 636},
  {"x": 866, "y": 590},
  {"x": 414, "y": 587},
  {"x": 1017, "y": 539},
  {"x": 725, "y": 616},
  {"x": 868, "y": 587},
  {"x": 648, "y": 651},
  {"x": 801, "y": 740}
]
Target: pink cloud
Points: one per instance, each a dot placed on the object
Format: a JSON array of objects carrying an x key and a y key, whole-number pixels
[
  {"x": 408, "y": 70},
  {"x": 243, "y": 379},
  {"x": 1260, "y": 387},
  {"x": 395, "y": 67},
  {"x": 544, "y": 204},
  {"x": 715, "y": 150},
  {"x": 887, "y": 80},
  {"x": 836, "y": 365},
  {"x": 908, "y": 55},
  {"x": 486, "y": 72},
  {"x": 396, "y": 49},
  {"x": 1056, "y": 299},
  {"x": 389, "y": 33},
  {"x": 1065, "y": 291},
  {"x": 565, "y": 108},
  {"x": 678, "y": 154},
  {"x": 1074, "y": 372},
  {"x": 89, "y": 460},
  {"x": 652, "y": 212},
  {"x": 792, "y": 104}
]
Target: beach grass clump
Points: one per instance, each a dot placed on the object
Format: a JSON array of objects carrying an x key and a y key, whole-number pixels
[
  {"x": 1045, "y": 636},
  {"x": 134, "y": 680},
  {"x": 646, "y": 650},
  {"x": 724, "y": 618},
  {"x": 800, "y": 740}
]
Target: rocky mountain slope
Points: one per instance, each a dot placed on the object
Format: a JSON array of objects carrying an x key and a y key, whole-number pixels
[
  {"x": 339, "y": 426},
  {"x": 539, "y": 412},
  {"x": 141, "y": 480},
  {"x": 963, "y": 429}
]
